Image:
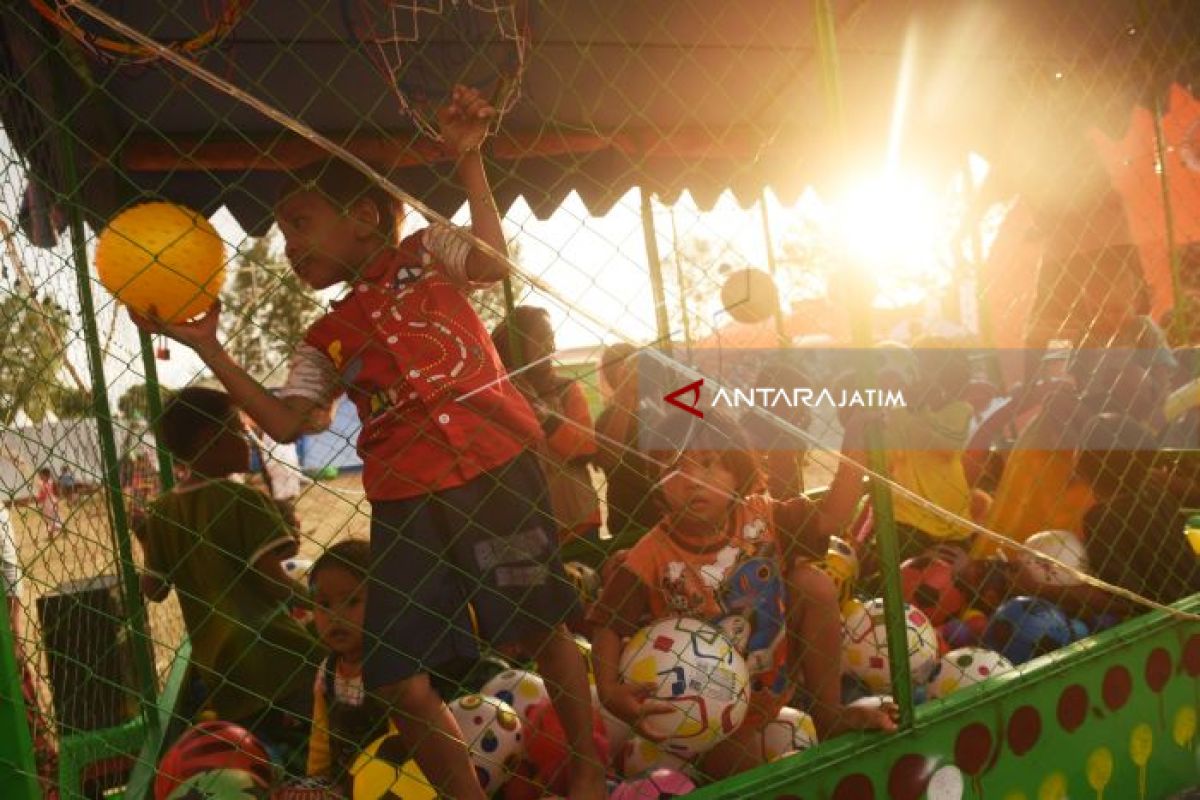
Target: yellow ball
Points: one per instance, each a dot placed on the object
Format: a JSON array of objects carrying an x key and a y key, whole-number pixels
[
  {"x": 164, "y": 258},
  {"x": 385, "y": 769}
]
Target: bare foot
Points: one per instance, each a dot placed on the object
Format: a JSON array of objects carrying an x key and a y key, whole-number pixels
[{"x": 865, "y": 718}]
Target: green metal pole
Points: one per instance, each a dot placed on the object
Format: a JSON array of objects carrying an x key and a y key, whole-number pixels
[
  {"x": 18, "y": 766},
  {"x": 134, "y": 604},
  {"x": 166, "y": 472},
  {"x": 861, "y": 336},
  {"x": 772, "y": 267},
  {"x": 661, "y": 321},
  {"x": 681, "y": 279}
]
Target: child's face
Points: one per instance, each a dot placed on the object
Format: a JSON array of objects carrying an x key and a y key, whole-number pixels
[
  {"x": 699, "y": 488},
  {"x": 324, "y": 247},
  {"x": 339, "y": 601}
]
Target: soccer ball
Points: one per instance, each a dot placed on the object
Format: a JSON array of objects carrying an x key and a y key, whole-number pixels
[
  {"x": 658, "y": 784},
  {"x": 307, "y": 789},
  {"x": 386, "y": 770},
  {"x": 640, "y": 756},
  {"x": 696, "y": 669},
  {"x": 1024, "y": 628},
  {"x": 1062, "y": 545},
  {"x": 214, "y": 754},
  {"x": 297, "y": 568},
  {"x": 930, "y": 583},
  {"x": 841, "y": 564},
  {"x": 546, "y": 749},
  {"x": 790, "y": 732},
  {"x": 866, "y": 651},
  {"x": 492, "y": 731},
  {"x": 520, "y": 689},
  {"x": 965, "y": 667}
]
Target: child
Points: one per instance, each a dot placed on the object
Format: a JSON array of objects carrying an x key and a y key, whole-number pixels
[
  {"x": 745, "y": 563},
  {"x": 345, "y": 718},
  {"x": 47, "y": 501},
  {"x": 1134, "y": 533},
  {"x": 458, "y": 501},
  {"x": 525, "y": 339},
  {"x": 219, "y": 544}
]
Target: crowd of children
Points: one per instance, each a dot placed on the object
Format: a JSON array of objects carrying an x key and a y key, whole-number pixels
[{"x": 478, "y": 480}]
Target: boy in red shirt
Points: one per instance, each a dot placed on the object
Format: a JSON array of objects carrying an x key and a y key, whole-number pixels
[{"x": 460, "y": 518}]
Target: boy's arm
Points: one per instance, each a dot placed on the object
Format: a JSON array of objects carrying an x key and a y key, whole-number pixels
[
  {"x": 283, "y": 419},
  {"x": 464, "y": 122}
]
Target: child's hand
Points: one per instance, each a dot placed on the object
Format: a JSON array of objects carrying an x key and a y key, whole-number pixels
[
  {"x": 464, "y": 120},
  {"x": 196, "y": 333},
  {"x": 631, "y": 703}
]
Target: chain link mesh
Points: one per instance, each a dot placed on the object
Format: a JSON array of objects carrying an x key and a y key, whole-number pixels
[{"x": 1001, "y": 210}]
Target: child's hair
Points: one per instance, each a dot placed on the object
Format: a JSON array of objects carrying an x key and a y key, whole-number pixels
[
  {"x": 45, "y": 472},
  {"x": 677, "y": 433},
  {"x": 352, "y": 555},
  {"x": 342, "y": 186},
  {"x": 522, "y": 323},
  {"x": 188, "y": 419}
]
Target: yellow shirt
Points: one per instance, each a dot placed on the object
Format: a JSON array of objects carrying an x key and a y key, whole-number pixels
[{"x": 925, "y": 456}]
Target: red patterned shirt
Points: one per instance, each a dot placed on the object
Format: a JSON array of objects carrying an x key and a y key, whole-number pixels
[{"x": 411, "y": 353}]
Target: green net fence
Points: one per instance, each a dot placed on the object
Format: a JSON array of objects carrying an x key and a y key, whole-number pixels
[{"x": 607, "y": 420}]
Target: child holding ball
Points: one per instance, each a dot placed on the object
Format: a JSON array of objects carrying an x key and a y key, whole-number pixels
[
  {"x": 692, "y": 564},
  {"x": 462, "y": 536}
]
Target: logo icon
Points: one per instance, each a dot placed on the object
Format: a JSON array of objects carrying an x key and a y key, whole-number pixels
[{"x": 693, "y": 389}]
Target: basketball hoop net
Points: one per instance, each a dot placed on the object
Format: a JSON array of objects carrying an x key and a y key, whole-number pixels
[{"x": 422, "y": 48}]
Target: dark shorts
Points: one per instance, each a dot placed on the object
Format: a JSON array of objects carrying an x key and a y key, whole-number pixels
[{"x": 476, "y": 562}]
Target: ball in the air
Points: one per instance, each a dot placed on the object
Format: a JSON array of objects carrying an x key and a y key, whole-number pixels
[
  {"x": 164, "y": 258},
  {"x": 749, "y": 295}
]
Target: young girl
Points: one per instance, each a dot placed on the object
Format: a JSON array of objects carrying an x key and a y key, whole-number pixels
[
  {"x": 463, "y": 542},
  {"x": 744, "y": 563},
  {"x": 345, "y": 718}
]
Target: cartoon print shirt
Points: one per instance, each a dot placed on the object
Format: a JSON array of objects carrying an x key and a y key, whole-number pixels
[
  {"x": 411, "y": 353},
  {"x": 736, "y": 583}
]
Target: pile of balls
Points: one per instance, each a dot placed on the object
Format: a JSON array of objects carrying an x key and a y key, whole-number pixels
[{"x": 965, "y": 620}]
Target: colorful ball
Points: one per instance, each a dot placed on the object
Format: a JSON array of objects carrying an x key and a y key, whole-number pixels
[
  {"x": 658, "y": 784},
  {"x": 546, "y": 746},
  {"x": 965, "y": 666},
  {"x": 519, "y": 688},
  {"x": 1061, "y": 545},
  {"x": 865, "y": 646},
  {"x": 306, "y": 789},
  {"x": 790, "y": 732},
  {"x": 162, "y": 257},
  {"x": 930, "y": 583},
  {"x": 957, "y": 633},
  {"x": 641, "y": 756},
  {"x": 990, "y": 581},
  {"x": 221, "y": 784},
  {"x": 1024, "y": 628},
  {"x": 385, "y": 770},
  {"x": 212, "y": 747},
  {"x": 492, "y": 731},
  {"x": 841, "y": 564},
  {"x": 698, "y": 671}
]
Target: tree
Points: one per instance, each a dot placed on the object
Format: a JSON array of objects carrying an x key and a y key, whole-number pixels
[
  {"x": 71, "y": 403},
  {"x": 267, "y": 309},
  {"x": 135, "y": 403},
  {"x": 32, "y": 359}
]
